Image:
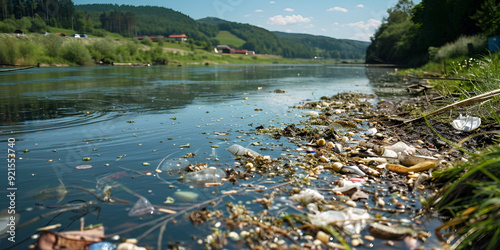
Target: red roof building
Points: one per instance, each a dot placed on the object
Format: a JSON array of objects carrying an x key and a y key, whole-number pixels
[{"x": 181, "y": 37}]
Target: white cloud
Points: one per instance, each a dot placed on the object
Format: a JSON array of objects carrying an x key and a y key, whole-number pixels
[
  {"x": 272, "y": 2},
  {"x": 335, "y": 23},
  {"x": 360, "y": 6},
  {"x": 247, "y": 15},
  {"x": 259, "y": 10},
  {"x": 361, "y": 36},
  {"x": 371, "y": 24},
  {"x": 286, "y": 20},
  {"x": 310, "y": 26},
  {"x": 337, "y": 9},
  {"x": 288, "y": 9}
]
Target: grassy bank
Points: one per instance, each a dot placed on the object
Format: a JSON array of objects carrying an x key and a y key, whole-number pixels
[
  {"x": 33, "y": 49},
  {"x": 468, "y": 192}
]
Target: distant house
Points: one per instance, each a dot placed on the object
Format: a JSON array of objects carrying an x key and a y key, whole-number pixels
[
  {"x": 76, "y": 35},
  {"x": 228, "y": 50},
  {"x": 224, "y": 49},
  {"x": 18, "y": 32},
  {"x": 181, "y": 37}
]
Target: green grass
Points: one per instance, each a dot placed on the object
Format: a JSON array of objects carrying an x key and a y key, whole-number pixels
[
  {"x": 471, "y": 198},
  {"x": 227, "y": 38}
]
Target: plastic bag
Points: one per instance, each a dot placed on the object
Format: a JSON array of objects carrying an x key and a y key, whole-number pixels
[{"x": 142, "y": 207}]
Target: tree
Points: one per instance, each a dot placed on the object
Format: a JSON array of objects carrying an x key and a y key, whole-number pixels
[
  {"x": 392, "y": 41},
  {"x": 488, "y": 17}
]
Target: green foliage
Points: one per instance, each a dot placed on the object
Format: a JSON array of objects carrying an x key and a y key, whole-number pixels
[
  {"x": 7, "y": 27},
  {"x": 488, "y": 18},
  {"x": 147, "y": 41},
  {"x": 76, "y": 52},
  {"x": 411, "y": 35},
  {"x": 394, "y": 41},
  {"x": 9, "y": 50}
]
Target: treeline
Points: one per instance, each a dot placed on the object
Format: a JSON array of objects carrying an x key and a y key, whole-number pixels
[
  {"x": 35, "y": 15},
  {"x": 412, "y": 33}
]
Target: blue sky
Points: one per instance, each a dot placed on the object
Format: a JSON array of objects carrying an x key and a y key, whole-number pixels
[{"x": 345, "y": 19}]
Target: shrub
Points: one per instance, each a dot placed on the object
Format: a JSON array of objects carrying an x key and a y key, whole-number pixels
[
  {"x": 76, "y": 52},
  {"x": 104, "y": 49},
  {"x": 53, "y": 45},
  {"x": 28, "y": 52},
  {"x": 9, "y": 50},
  {"x": 147, "y": 41},
  {"x": 7, "y": 27}
]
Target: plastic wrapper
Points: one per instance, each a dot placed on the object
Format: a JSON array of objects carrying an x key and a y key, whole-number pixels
[
  {"x": 306, "y": 196},
  {"x": 355, "y": 215}
]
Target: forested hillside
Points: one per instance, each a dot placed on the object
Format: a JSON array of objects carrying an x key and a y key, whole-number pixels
[
  {"x": 290, "y": 44},
  {"x": 327, "y": 47},
  {"x": 410, "y": 33}
]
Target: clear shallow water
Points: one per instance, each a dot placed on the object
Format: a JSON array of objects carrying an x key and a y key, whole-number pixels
[{"x": 122, "y": 117}]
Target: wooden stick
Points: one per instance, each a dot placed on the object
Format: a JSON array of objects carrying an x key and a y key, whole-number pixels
[{"x": 472, "y": 100}]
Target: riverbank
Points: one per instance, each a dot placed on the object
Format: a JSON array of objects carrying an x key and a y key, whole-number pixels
[{"x": 52, "y": 50}]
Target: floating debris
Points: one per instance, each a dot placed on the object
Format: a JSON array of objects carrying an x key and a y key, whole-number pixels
[
  {"x": 204, "y": 176},
  {"x": 352, "y": 220},
  {"x": 240, "y": 150},
  {"x": 307, "y": 196},
  {"x": 142, "y": 207},
  {"x": 186, "y": 195},
  {"x": 83, "y": 166}
]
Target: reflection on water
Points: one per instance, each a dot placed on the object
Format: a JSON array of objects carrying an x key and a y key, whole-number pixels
[{"x": 127, "y": 122}]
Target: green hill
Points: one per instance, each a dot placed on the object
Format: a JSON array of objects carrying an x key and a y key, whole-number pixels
[
  {"x": 227, "y": 38},
  {"x": 328, "y": 47}
]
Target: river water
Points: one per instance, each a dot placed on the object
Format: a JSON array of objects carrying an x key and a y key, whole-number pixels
[{"x": 123, "y": 121}]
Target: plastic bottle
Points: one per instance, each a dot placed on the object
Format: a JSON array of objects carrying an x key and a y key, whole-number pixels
[{"x": 207, "y": 175}]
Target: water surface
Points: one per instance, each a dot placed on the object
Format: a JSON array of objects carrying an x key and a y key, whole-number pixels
[{"x": 128, "y": 119}]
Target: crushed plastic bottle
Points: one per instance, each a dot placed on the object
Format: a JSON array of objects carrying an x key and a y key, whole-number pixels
[
  {"x": 207, "y": 175},
  {"x": 240, "y": 150}
]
